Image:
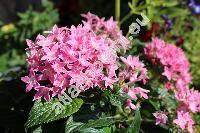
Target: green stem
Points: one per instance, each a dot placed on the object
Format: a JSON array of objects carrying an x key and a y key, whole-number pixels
[
  {"x": 125, "y": 18},
  {"x": 117, "y": 11},
  {"x": 127, "y": 34},
  {"x": 128, "y": 16}
]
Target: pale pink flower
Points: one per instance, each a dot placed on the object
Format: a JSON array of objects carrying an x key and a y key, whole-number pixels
[
  {"x": 129, "y": 104},
  {"x": 31, "y": 81},
  {"x": 138, "y": 91},
  {"x": 135, "y": 69},
  {"x": 184, "y": 120},
  {"x": 109, "y": 81},
  {"x": 132, "y": 94},
  {"x": 142, "y": 92},
  {"x": 161, "y": 118},
  {"x": 42, "y": 92},
  {"x": 193, "y": 100}
]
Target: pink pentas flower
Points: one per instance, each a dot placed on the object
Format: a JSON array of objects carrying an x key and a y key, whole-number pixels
[
  {"x": 138, "y": 91},
  {"x": 132, "y": 94},
  {"x": 193, "y": 100},
  {"x": 109, "y": 81},
  {"x": 176, "y": 70},
  {"x": 42, "y": 92},
  {"x": 168, "y": 73},
  {"x": 83, "y": 55},
  {"x": 142, "y": 92},
  {"x": 129, "y": 104},
  {"x": 161, "y": 117},
  {"x": 134, "y": 72},
  {"x": 133, "y": 62},
  {"x": 184, "y": 121},
  {"x": 31, "y": 81},
  {"x": 173, "y": 60},
  {"x": 135, "y": 69}
]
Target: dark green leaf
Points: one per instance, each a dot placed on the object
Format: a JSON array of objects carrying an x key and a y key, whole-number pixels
[
  {"x": 135, "y": 126},
  {"x": 38, "y": 130},
  {"x": 93, "y": 126},
  {"x": 43, "y": 112},
  {"x": 102, "y": 122}
]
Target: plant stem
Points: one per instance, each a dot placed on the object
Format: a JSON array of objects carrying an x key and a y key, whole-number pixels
[
  {"x": 117, "y": 11},
  {"x": 126, "y": 17}
]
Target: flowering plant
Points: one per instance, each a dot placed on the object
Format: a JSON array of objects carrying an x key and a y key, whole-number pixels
[
  {"x": 93, "y": 78},
  {"x": 116, "y": 86}
]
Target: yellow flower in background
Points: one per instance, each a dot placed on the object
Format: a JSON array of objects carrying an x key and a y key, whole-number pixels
[{"x": 8, "y": 28}]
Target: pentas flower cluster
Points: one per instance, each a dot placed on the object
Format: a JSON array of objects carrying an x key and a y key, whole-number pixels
[
  {"x": 79, "y": 56},
  {"x": 176, "y": 70},
  {"x": 184, "y": 120},
  {"x": 134, "y": 72},
  {"x": 175, "y": 64}
]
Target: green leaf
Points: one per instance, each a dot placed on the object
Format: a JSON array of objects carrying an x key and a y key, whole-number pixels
[
  {"x": 91, "y": 130},
  {"x": 43, "y": 112},
  {"x": 38, "y": 130},
  {"x": 155, "y": 103},
  {"x": 169, "y": 3},
  {"x": 71, "y": 125},
  {"x": 118, "y": 99},
  {"x": 135, "y": 126},
  {"x": 93, "y": 126},
  {"x": 102, "y": 122},
  {"x": 115, "y": 101},
  {"x": 94, "y": 130},
  {"x": 107, "y": 129}
]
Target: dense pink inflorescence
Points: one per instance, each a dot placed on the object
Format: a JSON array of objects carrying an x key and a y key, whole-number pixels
[
  {"x": 172, "y": 58},
  {"x": 176, "y": 70},
  {"x": 73, "y": 56}
]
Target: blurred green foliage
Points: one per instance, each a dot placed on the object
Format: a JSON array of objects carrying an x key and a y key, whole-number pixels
[{"x": 13, "y": 35}]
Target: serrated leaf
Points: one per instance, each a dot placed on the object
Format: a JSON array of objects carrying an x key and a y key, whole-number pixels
[
  {"x": 135, "y": 126},
  {"x": 43, "y": 112}
]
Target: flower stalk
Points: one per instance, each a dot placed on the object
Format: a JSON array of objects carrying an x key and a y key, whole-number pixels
[{"x": 117, "y": 11}]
